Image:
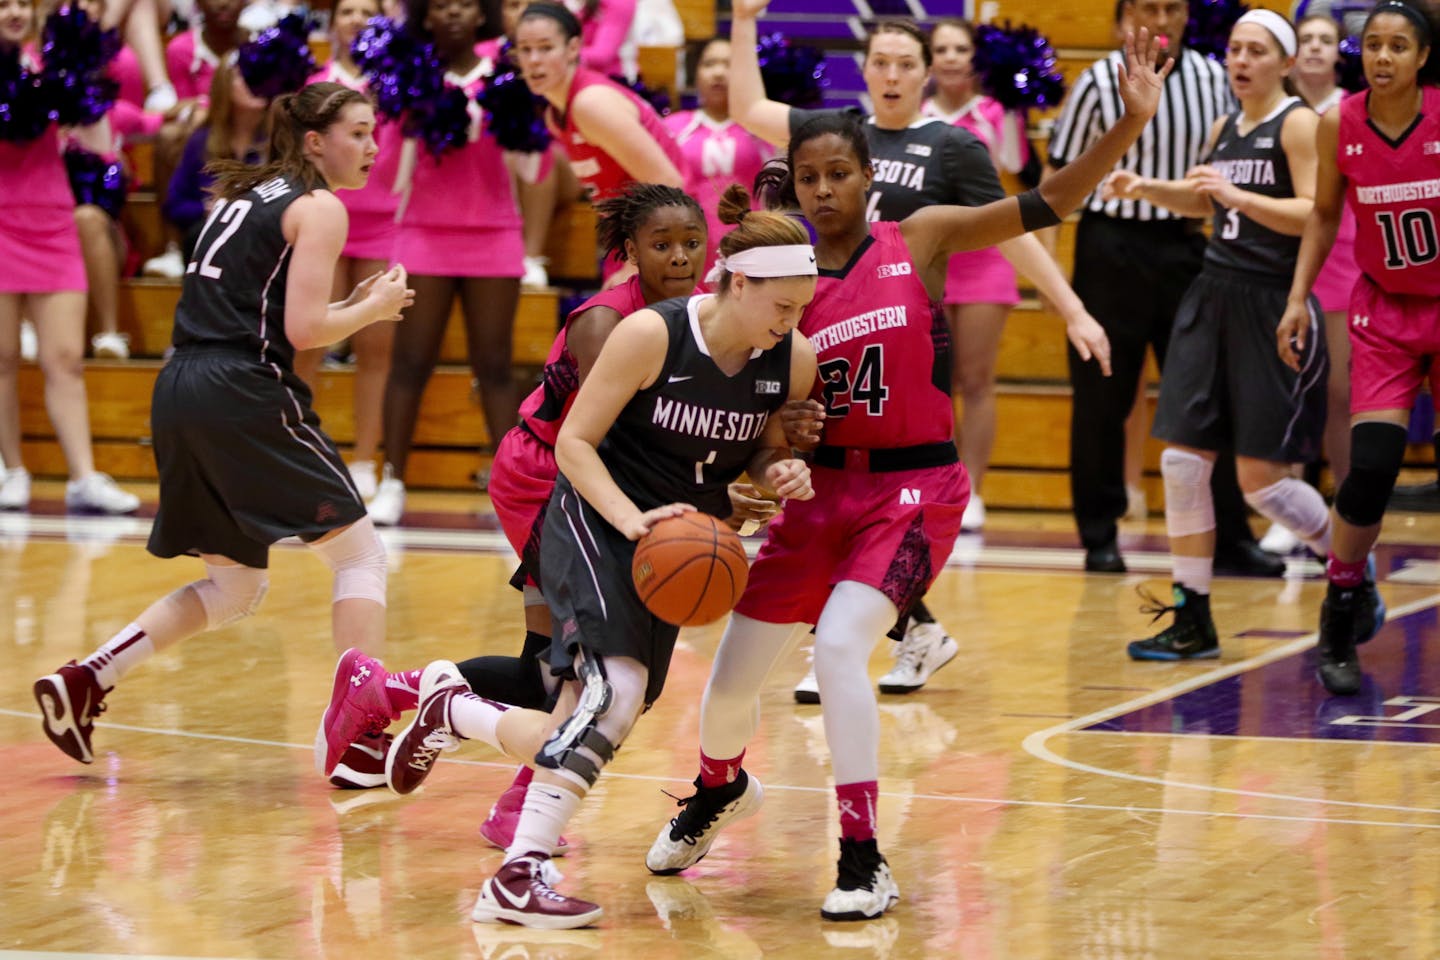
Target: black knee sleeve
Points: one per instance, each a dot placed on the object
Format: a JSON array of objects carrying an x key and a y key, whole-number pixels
[
  {"x": 513, "y": 680},
  {"x": 1376, "y": 452}
]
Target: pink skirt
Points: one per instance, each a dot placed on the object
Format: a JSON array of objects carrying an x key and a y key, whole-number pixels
[
  {"x": 40, "y": 250},
  {"x": 371, "y": 236},
  {"x": 981, "y": 276},
  {"x": 459, "y": 251}
]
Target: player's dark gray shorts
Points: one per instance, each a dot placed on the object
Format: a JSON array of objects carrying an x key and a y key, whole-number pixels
[
  {"x": 585, "y": 566},
  {"x": 242, "y": 459},
  {"x": 1224, "y": 386}
]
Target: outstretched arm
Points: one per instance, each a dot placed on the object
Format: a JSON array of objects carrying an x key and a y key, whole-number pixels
[{"x": 767, "y": 119}]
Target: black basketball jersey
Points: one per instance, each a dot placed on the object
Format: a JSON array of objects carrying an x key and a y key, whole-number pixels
[
  {"x": 691, "y": 433},
  {"x": 928, "y": 162},
  {"x": 234, "y": 288},
  {"x": 1254, "y": 162}
]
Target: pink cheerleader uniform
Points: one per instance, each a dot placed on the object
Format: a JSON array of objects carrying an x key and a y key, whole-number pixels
[
  {"x": 980, "y": 276},
  {"x": 1338, "y": 275},
  {"x": 125, "y": 70},
  {"x": 372, "y": 208},
  {"x": 603, "y": 30},
  {"x": 39, "y": 244},
  {"x": 461, "y": 219},
  {"x": 191, "y": 65},
  {"x": 596, "y": 170},
  {"x": 717, "y": 153}
]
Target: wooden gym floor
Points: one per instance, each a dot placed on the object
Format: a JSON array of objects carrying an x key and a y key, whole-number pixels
[{"x": 1043, "y": 797}]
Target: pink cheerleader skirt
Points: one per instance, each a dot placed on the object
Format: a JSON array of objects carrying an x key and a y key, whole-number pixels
[
  {"x": 459, "y": 251},
  {"x": 371, "y": 236},
  {"x": 981, "y": 276},
  {"x": 40, "y": 250}
]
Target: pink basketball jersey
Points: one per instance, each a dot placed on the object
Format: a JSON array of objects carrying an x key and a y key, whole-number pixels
[
  {"x": 1394, "y": 190},
  {"x": 545, "y": 409},
  {"x": 873, "y": 330},
  {"x": 593, "y": 167}
]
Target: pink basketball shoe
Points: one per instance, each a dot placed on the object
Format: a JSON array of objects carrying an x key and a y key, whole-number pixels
[
  {"x": 70, "y": 699},
  {"x": 498, "y": 830},
  {"x": 358, "y": 705}
]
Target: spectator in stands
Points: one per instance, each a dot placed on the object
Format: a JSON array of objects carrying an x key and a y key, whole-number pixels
[
  {"x": 44, "y": 278},
  {"x": 919, "y": 162},
  {"x": 459, "y": 234},
  {"x": 1133, "y": 262},
  {"x": 140, "y": 23},
  {"x": 718, "y": 151},
  {"x": 193, "y": 58},
  {"x": 604, "y": 25},
  {"x": 367, "y": 250},
  {"x": 234, "y": 129}
]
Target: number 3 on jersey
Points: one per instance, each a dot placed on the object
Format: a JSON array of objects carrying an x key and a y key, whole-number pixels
[
  {"x": 867, "y": 386},
  {"x": 232, "y": 214}
]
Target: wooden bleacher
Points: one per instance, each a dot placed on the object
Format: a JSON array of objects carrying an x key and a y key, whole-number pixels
[{"x": 1030, "y": 463}]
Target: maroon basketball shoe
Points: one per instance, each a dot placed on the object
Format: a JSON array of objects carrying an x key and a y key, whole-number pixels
[
  {"x": 358, "y": 705},
  {"x": 412, "y": 756},
  {"x": 70, "y": 699},
  {"x": 520, "y": 893},
  {"x": 362, "y": 765}
]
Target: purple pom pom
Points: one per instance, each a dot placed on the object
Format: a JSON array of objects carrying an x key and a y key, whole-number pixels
[
  {"x": 24, "y": 113},
  {"x": 401, "y": 71},
  {"x": 441, "y": 124},
  {"x": 1016, "y": 66},
  {"x": 513, "y": 115},
  {"x": 1351, "y": 68},
  {"x": 93, "y": 179},
  {"x": 793, "y": 74},
  {"x": 76, "y": 52},
  {"x": 279, "y": 60},
  {"x": 1211, "y": 21}
]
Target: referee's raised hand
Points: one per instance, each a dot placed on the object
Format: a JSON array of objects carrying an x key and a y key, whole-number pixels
[{"x": 1141, "y": 75}]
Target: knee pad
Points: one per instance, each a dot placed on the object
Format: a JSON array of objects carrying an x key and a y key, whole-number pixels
[
  {"x": 357, "y": 556},
  {"x": 231, "y": 593},
  {"x": 578, "y": 750},
  {"x": 1189, "y": 505},
  {"x": 1376, "y": 452},
  {"x": 1292, "y": 503}
]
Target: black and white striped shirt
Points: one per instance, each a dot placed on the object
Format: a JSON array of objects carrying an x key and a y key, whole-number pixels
[{"x": 1196, "y": 94}]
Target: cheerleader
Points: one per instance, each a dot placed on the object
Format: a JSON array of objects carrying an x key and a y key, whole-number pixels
[
  {"x": 44, "y": 278},
  {"x": 372, "y": 211},
  {"x": 459, "y": 234}
]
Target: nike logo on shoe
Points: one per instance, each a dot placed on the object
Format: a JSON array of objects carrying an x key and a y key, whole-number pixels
[{"x": 517, "y": 903}]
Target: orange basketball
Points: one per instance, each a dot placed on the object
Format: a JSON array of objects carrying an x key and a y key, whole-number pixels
[{"x": 690, "y": 570}]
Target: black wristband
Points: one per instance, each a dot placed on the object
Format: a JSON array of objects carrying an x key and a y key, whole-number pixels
[{"x": 1035, "y": 213}]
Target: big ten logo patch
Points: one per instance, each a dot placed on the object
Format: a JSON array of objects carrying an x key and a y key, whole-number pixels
[
  {"x": 894, "y": 270},
  {"x": 767, "y": 387}
]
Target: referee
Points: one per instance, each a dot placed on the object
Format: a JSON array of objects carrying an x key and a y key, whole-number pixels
[{"x": 1133, "y": 263}]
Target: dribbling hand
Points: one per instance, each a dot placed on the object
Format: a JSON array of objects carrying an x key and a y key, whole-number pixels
[
  {"x": 637, "y": 526},
  {"x": 1138, "y": 80}
]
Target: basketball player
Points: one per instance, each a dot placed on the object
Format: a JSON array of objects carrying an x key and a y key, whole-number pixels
[
  {"x": 892, "y": 485},
  {"x": 678, "y": 404},
  {"x": 1223, "y": 387},
  {"x": 242, "y": 459},
  {"x": 1378, "y": 153}
]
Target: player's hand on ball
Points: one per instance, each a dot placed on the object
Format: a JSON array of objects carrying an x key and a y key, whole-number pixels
[
  {"x": 790, "y": 479},
  {"x": 640, "y": 524}
]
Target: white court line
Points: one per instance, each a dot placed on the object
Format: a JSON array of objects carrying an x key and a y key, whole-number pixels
[
  {"x": 792, "y": 788},
  {"x": 1036, "y": 744}
]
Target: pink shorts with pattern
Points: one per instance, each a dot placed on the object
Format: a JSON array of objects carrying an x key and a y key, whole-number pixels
[
  {"x": 890, "y": 531},
  {"x": 1393, "y": 339},
  {"x": 522, "y": 478}
]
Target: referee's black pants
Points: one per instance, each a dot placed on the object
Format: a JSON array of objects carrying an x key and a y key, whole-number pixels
[{"x": 1131, "y": 275}]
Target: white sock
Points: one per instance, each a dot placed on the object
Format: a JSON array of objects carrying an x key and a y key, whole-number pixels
[
  {"x": 112, "y": 661},
  {"x": 476, "y": 718},
  {"x": 547, "y": 809},
  {"x": 1193, "y": 572},
  {"x": 1299, "y": 508}
]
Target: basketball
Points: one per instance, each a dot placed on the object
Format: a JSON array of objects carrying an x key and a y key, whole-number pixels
[{"x": 690, "y": 570}]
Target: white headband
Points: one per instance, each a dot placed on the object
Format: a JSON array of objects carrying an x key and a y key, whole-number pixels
[
  {"x": 788, "y": 260},
  {"x": 1278, "y": 26}
]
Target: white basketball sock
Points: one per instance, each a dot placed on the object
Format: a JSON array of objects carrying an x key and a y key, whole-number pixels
[
  {"x": 546, "y": 811},
  {"x": 121, "y": 652},
  {"x": 476, "y": 718},
  {"x": 1193, "y": 572}
]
